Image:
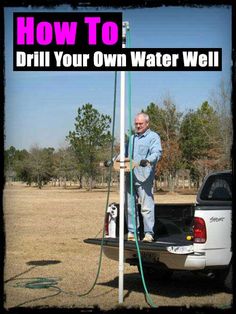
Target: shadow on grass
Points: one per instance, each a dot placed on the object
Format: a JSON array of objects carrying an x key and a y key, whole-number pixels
[{"x": 181, "y": 284}]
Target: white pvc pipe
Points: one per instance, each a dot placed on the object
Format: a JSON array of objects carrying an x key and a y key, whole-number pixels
[
  {"x": 122, "y": 174},
  {"x": 122, "y": 192}
]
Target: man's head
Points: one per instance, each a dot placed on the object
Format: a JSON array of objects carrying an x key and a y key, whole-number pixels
[{"x": 141, "y": 122}]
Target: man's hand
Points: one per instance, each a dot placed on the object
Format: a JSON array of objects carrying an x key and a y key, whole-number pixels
[
  {"x": 143, "y": 163},
  {"x": 108, "y": 163}
]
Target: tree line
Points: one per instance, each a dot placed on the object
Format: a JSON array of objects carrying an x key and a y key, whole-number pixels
[{"x": 194, "y": 143}]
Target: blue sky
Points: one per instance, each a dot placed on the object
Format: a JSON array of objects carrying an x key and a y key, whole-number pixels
[{"x": 40, "y": 107}]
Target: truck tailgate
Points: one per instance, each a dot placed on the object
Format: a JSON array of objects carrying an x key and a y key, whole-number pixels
[{"x": 175, "y": 245}]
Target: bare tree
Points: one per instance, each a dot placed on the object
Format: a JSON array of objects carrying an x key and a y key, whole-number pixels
[
  {"x": 221, "y": 101},
  {"x": 165, "y": 120}
]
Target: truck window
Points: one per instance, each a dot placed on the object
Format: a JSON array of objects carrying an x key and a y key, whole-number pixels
[{"x": 218, "y": 188}]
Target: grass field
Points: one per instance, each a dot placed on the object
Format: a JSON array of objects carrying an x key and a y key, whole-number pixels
[{"x": 44, "y": 232}]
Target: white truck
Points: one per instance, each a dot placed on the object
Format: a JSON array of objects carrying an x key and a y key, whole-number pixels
[{"x": 192, "y": 237}]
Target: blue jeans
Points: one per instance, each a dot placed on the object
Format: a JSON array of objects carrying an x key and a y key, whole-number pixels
[{"x": 143, "y": 192}]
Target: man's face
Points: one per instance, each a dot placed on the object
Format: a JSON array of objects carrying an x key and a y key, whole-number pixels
[{"x": 141, "y": 125}]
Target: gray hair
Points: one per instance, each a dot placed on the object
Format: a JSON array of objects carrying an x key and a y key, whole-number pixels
[{"x": 144, "y": 115}]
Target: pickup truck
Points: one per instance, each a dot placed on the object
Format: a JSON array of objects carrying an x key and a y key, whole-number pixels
[{"x": 192, "y": 237}]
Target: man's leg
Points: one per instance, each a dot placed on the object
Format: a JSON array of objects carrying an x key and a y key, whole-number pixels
[
  {"x": 131, "y": 205},
  {"x": 147, "y": 206}
]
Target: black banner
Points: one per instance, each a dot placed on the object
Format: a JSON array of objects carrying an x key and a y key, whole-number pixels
[
  {"x": 204, "y": 59},
  {"x": 93, "y": 42}
]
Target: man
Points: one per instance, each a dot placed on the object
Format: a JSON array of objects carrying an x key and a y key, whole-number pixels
[{"x": 146, "y": 152}]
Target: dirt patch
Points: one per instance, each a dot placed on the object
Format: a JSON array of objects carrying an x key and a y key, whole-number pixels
[{"x": 48, "y": 264}]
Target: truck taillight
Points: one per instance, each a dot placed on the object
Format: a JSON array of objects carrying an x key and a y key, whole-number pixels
[
  {"x": 107, "y": 224},
  {"x": 199, "y": 230}
]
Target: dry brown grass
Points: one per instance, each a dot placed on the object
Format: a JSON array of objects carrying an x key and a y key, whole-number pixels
[{"x": 51, "y": 224}]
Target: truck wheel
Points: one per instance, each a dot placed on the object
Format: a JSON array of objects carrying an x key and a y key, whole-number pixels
[
  {"x": 228, "y": 284},
  {"x": 159, "y": 274},
  {"x": 225, "y": 277}
]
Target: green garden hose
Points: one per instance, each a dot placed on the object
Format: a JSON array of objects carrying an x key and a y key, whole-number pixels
[
  {"x": 148, "y": 297},
  {"x": 107, "y": 200}
]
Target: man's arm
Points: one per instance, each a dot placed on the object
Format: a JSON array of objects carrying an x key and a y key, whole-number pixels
[{"x": 155, "y": 150}]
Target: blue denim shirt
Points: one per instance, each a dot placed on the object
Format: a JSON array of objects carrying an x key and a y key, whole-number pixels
[{"x": 146, "y": 146}]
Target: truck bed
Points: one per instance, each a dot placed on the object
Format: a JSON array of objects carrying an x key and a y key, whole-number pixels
[
  {"x": 170, "y": 219},
  {"x": 173, "y": 224}
]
